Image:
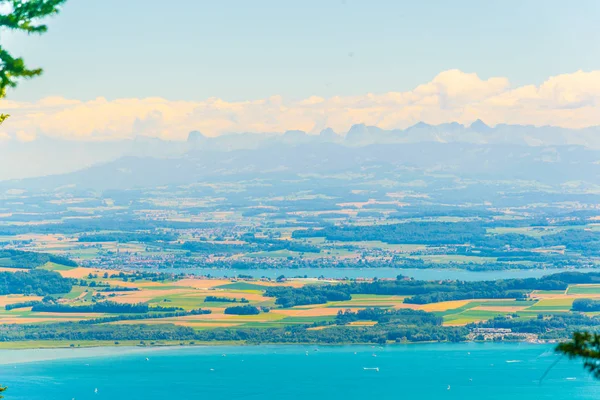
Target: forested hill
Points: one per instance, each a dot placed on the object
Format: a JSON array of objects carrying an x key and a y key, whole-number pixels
[
  {"x": 28, "y": 259},
  {"x": 37, "y": 282}
]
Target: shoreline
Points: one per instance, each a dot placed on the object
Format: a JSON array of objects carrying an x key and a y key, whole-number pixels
[
  {"x": 86, "y": 344},
  {"x": 27, "y": 355}
]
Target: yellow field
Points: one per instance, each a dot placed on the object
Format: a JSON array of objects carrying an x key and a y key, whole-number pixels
[
  {"x": 190, "y": 293},
  {"x": 7, "y": 269},
  {"x": 16, "y": 298},
  {"x": 444, "y": 306},
  {"x": 362, "y": 323}
]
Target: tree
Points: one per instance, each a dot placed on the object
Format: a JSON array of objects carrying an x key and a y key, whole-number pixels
[
  {"x": 585, "y": 346},
  {"x": 23, "y": 16}
]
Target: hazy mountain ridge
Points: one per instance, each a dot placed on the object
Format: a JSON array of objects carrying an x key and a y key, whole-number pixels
[
  {"x": 54, "y": 156},
  {"x": 548, "y": 165}
]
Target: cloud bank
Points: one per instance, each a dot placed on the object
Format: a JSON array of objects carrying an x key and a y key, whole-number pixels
[{"x": 568, "y": 100}]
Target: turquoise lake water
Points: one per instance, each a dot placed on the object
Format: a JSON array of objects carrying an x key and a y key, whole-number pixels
[{"x": 428, "y": 371}]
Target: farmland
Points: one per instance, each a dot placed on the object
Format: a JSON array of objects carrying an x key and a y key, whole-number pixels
[
  {"x": 200, "y": 262},
  {"x": 187, "y": 294},
  {"x": 340, "y": 222}
]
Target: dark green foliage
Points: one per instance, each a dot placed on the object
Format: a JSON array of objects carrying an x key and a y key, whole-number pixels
[
  {"x": 410, "y": 232},
  {"x": 136, "y": 317},
  {"x": 510, "y": 246},
  {"x": 23, "y": 304},
  {"x": 585, "y": 241},
  {"x": 586, "y": 346},
  {"x": 76, "y": 331},
  {"x": 424, "y": 292},
  {"x": 586, "y": 305},
  {"x": 37, "y": 282},
  {"x": 102, "y": 307},
  {"x": 398, "y": 317},
  {"x": 242, "y": 310},
  {"x": 23, "y": 16},
  {"x": 380, "y": 333},
  {"x": 290, "y": 297},
  {"x": 216, "y": 299},
  {"x": 30, "y": 259}
]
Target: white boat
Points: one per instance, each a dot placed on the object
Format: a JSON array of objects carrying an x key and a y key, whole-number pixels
[{"x": 371, "y": 369}]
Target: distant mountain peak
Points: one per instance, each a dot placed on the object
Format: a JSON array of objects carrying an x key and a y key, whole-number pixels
[
  {"x": 195, "y": 136},
  {"x": 363, "y": 129},
  {"x": 358, "y": 128},
  {"x": 480, "y": 126},
  {"x": 420, "y": 125},
  {"x": 294, "y": 133},
  {"x": 451, "y": 126},
  {"x": 328, "y": 135},
  {"x": 327, "y": 132}
]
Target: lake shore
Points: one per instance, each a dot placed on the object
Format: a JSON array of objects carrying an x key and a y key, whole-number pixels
[
  {"x": 34, "y": 351},
  {"x": 87, "y": 344}
]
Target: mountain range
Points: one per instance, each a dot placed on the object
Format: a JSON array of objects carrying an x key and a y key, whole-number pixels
[{"x": 545, "y": 154}]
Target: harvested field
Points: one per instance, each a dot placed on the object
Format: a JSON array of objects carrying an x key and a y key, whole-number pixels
[
  {"x": 312, "y": 312},
  {"x": 17, "y": 298},
  {"x": 444, "y": 306},
  {"x": 362, "y": 323}
]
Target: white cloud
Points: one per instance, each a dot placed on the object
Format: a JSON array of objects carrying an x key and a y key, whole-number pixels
[{"x": 568, "y": 100}]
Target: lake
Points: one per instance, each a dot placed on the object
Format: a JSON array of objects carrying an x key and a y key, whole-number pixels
[
  {"x": 338, "y": 273},
  {"x": 418, "y": 371}
]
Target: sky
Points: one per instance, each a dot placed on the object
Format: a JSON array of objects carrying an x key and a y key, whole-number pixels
[{"x": 256, "y": 66}]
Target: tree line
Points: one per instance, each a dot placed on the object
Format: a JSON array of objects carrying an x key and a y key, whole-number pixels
[
  {"x": 424, "y": 292},
  {"x": 35, "y": 282},
  {"x": 29, "y": 259},
  {"x": 102, "y": 307}
]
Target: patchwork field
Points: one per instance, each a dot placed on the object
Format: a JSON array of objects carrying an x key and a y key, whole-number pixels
[{"x": 215, "y": 295}]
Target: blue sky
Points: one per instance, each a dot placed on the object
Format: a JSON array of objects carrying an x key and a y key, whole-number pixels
[{"x": 239, "y": 50}]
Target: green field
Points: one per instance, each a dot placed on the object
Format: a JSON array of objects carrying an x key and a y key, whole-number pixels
[
  {"x": 552, "y": 304},
  {"x": 242, "y": 286},
  {"x": 584, "y": 289},
  {"x": 469, "y": 316}
]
